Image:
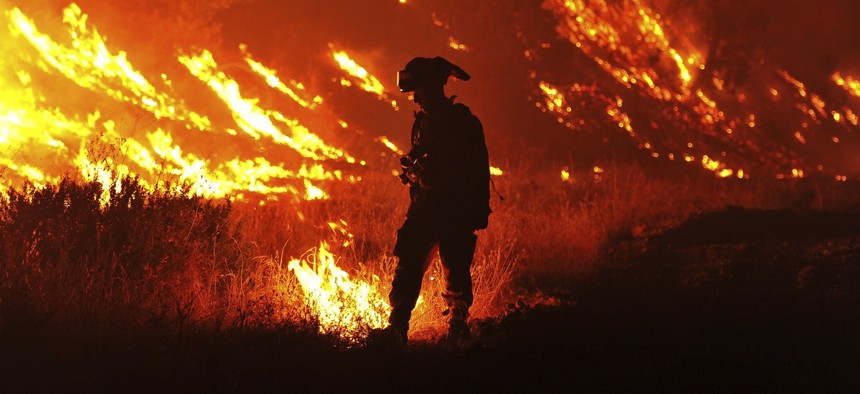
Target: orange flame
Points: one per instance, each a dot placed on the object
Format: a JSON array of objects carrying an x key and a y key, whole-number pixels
[
  {"x": 91, "y": 65},
  {"x": 348, "y": 308},
  {"x": 368, "y": 82},
  {"x": 271, "y": 77},
  {"x": 847, "y": 82}
]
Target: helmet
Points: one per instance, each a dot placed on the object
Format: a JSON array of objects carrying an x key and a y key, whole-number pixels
[{"x": 423, "y": 71}]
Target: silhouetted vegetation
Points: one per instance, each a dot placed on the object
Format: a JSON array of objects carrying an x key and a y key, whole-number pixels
[{"x": 176, "y": 280}]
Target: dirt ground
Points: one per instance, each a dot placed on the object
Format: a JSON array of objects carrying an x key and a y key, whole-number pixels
[{"x": 737, "y": 300}]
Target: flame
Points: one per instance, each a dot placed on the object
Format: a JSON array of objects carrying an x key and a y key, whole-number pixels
[
  {"x": 344, "y": 307},
  {"x": 456, "y": 45},
  {"x": 565, "y": 175},
  {"x": 629, "y": 41},
  {"x": 271, "y": 77},
  {"x": 98, "y": 148},
  {"x": 847, "y": 82},
  {"x": 390, "y": 145},
  {"x": 339, "y": 228},
  {"x": 252, "y": 119},
  {"x": 368, "y": 82},
  {"x": 30, "y": 133},
  {"x": 555, "y": 101},
  {"x": 588, "y": 25},
  {"x": 91, "y": 65}
]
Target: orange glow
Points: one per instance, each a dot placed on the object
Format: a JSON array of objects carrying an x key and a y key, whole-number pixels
[
  {"x": 799, "y": 137},
  {"x": 272, "y": 80},
  {"x": 348, "y": 308},
  {"x": 847, "y": 82},
  {"x": 90, "y": 64},
  {"x": 252, "y": 119},
  {"x": 369, "y": 83},
  {"x": 390, "y": 145},
  {"x": 101, "y": 150},
  {"x": 457, "y": 45},
  {"x": 590, "y": 27}
]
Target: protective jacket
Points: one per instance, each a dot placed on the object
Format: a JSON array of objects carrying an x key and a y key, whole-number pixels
[{"x": 453, "y": 183}]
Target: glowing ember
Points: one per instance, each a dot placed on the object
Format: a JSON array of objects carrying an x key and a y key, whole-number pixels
[
  {"x": 457, "y": 45},
  {"x": 614, "y": 46},
  {"x": 390, "y": 145},
  {"x": 348, "y": 308},
  {"x": 847, "y": 82}
]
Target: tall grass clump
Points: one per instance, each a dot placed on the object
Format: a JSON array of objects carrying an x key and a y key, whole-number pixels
[
  {"x": 564, "y": 228},
  {"x": 136, "y": 260}
]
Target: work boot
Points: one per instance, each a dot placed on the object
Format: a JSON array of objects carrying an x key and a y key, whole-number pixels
[
  {"x": 458, "y": 332},
  {"x": 388, "y": 337}
]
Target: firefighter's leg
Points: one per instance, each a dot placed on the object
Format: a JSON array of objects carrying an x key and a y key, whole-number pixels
[
  {"x": 456, "y": 249},
  {"x": 415, "y": 241}
]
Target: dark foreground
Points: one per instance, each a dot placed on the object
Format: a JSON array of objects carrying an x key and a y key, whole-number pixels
[{"x": 733, "y": 301}]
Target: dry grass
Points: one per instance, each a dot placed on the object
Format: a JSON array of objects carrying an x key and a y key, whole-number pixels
[{"x": 154, "y": 259}]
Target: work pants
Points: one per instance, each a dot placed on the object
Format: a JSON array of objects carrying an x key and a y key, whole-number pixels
[{"x": 416, "y": 240}]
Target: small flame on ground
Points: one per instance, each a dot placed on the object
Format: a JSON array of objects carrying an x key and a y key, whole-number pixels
[{"x": 344, "y": 307}]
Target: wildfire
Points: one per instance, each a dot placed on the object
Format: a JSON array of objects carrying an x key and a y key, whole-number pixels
[
  {"x": 390, "y": 145},
  {"x": 369, "y": 83},
  {"x": 630, "y": 42},
  {"x": 102, "y": 149},
  {"x": 847, "y": 82},
  {"x": 91, "y": 65},
  {"x": 615, "y": 46},
  {"x": 457, "y": 45},
  {"x": 556, "y": 101},
  {"x": 254, "y": 120},
  {"x": 271, "y": 77},
  {"x": 565, "y": 175},
  {"x": 348, "y": 308}
]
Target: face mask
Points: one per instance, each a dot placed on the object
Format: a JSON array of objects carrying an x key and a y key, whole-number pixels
[{"x": 405, "y": 81}]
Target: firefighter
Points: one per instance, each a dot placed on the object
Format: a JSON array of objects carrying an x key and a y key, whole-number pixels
[{"x": 447, "y": 171}]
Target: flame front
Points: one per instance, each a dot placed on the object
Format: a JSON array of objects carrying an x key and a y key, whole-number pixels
[
  {"x": 664, "y": 76},
  {"x": 91, "y": 65},
  {"x": 44, "y": 142}
]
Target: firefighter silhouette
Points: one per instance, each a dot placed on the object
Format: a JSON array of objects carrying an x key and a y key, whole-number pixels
[{"x": 447, "y": 171}]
